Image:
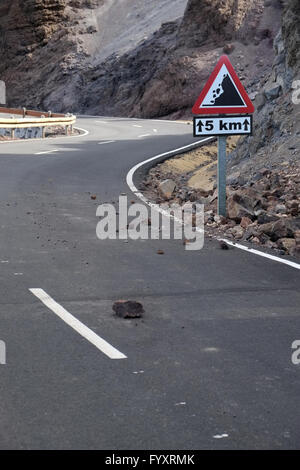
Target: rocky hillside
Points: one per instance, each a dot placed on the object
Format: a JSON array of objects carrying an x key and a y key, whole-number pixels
[
  {"x": 137, "y": 58},
  {"x": 163, "y": 75},
  {"x": 48, "y": 46}
]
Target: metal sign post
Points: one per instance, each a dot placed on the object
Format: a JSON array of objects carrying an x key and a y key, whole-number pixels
[
  {"x": 229, "y": 112},
  {"x": 222, "y": 175}
]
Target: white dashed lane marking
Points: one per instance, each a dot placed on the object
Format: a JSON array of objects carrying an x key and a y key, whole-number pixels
[
  {"x": 46, "y": 151},
  {"x": 77, "y": 325}
]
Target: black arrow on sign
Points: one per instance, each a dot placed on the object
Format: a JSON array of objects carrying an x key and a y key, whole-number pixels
[
  {"x": 246, "y": 124},
  {"x": 200, "y": 125}
]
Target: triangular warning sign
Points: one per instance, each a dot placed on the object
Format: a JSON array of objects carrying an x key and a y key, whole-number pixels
[{"x": 223, "y": 93}]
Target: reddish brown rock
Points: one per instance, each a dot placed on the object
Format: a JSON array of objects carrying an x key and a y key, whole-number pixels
[
  {"x": 228, "y": 48},
  {"x": 287, "y": 244},
  {"x": 237, "y": 211},
  {"x": 275, "y": 230},
  {"x": 245, "y": 222}
]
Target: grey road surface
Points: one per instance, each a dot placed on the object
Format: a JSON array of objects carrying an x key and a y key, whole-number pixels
[{"x": 208, "y": 366}]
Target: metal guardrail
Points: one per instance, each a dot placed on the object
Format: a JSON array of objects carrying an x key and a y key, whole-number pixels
[{"x": 31, "y": 119}]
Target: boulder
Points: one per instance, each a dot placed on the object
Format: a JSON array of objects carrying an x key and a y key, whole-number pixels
[
  {"x": 236, "y": 211},
  {"x": 275, "y": 230},
  {"x": 264, "y": 218},
  {"x": 242, "y": 204},
  {"x": 272, "y": 91}
]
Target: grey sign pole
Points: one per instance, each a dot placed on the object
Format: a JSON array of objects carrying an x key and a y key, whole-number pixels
[{"x": 222, "y": 175}]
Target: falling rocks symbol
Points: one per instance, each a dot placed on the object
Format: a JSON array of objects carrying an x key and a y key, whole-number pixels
[{"x": 226, "y": 94}]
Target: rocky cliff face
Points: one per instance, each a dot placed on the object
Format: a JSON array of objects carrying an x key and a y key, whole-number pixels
[
  {"x": 164, "y": 74},
  {"x": 27, "y": 25},
  {"x": 53, "y": 59},
  {"x": 291, "y": 34},
  {"x": 38, "y": 40},
  {"x": 276, "y": 137},
  {"x": 219, "y": 20},
  {"x": 49, "y": 46}
]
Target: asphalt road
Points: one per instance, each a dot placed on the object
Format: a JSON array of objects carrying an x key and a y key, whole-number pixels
[{"x": 208, "y": 367}]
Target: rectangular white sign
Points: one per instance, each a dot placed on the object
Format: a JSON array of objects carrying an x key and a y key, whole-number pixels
[{"x": 228, "y": 125}]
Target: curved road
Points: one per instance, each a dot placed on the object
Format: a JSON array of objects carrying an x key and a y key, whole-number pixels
[{"x": 209, "y": 365}]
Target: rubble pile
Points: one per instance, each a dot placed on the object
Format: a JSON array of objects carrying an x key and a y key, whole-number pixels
[{"x": 265, "y": 210}]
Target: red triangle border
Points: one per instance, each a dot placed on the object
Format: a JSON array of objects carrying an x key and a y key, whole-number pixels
[{"x": 224, "y": 60}]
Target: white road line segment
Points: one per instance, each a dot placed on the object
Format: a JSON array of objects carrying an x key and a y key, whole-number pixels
[
  {"x": 261, "y": 253},
  {"x": 45, "y": 152},
  {"x": 77, "y": 325}
]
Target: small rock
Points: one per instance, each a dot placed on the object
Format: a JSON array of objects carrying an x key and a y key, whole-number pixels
[
  {"x": 223, "y": 245},
  {"x": 245, "y": 222},
  {"x": 265, "y": 218},
  {"x": 128, "y": 309},
  {"x": 280, "y": 209},
  {"x": 272, "y": 91},
  {"x": 288, "y": 244},
  {"x": 297, "y": 236},
  {"x": 295, "y": 251},
  {"x": 294, "y": 211},
  {"x": 263, "y": 171},
  {"x": 213, "y": 197},
  {"x": 167, "y": 187},
  {"x": 292, "y": 204},
  {"x": 228, "y": 48},
  {"x": 237, "y": 210},
  {"x": 237, "y": 232}
]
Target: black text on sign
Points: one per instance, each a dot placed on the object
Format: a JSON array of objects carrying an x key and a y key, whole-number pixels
[{"x": 234, "y": 125}]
